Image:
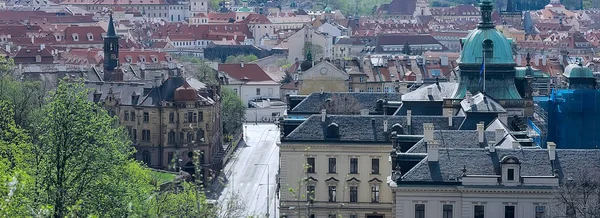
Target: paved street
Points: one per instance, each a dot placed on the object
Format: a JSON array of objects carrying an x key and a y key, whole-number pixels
[{"x": 247, "y": 173}]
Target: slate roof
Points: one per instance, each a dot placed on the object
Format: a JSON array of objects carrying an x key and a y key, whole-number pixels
[
  {"x": 439, "y": 92},
  {"x": 534, "y": 162},
  {"x": 455, "y": 139},
  {"x": 166, "y": 92},
  {"x": 482, "y": 104},
  {"x": 367, "y": 100},
  {"x": 122, "y": 91},
  {"x": 363, "y": 127}
]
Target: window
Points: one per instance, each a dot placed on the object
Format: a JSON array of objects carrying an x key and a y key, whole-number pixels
[
  {"x": 190, "y": 137},
  {"x": 200, "y": 116},
  {"x": 353, "y": 193},
  {"x": 171, "y": 117},
  {"x": 375, "y": 193},
  {"x": 540, "y": 211},
  {"x": 181, "y": 137},
  {"x": 361, "y": 79},
  {"x": 191, "y": 117},
  {"x": 511, "y": 175},
  {"x": 134, "y": 135},
  {"x": 488, "y": 48},
  {"x": 310, "y": 161},
  {"x": 146, "y": 117},
  {"x": 126, "y": 116},
  {"x": 509, "y": 211},
  {"x": 257, "y": 91},
  {"x": 332, "y": 192},
  {"x": 332, "y": 162},
  {"x": 353, "y": 216},
  {"x": 479, "y": 211},
  {"x": 146, "y": 157},
  {"x": 353, "y": 165},
  {"x": 235, "y": 90},
  {"x": 378, "y": 89},
  {"x": 145, "y": 135},
  {"x": 310, "y": 192},
  {"x": 200, "y": 135},
  {"x": 386, "y": 89},
  {"x": 171, "y": 137},
  {"x": 350, "y": 89},
  {"x": 419, "y": 210},
  {"x": 375, "y": 166},
  {"x": 447, "y": 211},
  {"x": 370, "y": 89}
]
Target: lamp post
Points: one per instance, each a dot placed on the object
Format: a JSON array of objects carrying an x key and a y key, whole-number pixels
[{"x": 267, "y": 214}]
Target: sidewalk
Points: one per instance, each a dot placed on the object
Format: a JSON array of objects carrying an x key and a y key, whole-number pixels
[{"x": 214, "y": 190}]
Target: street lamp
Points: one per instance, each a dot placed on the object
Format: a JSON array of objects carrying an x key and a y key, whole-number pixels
[{"x": 267, "y": 214}]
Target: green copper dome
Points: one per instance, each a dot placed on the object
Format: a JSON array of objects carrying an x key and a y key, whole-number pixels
[
  {"x": 498, "y": 47},
  {"x": 244, "y": 9},
  {"x": 328, "y": 10},
  {"x": 472, "y": 52},
  {"x": 578, "y": 71}
]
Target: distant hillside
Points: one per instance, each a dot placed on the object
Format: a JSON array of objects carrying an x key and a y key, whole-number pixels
[{"x": 525, "y": 4}]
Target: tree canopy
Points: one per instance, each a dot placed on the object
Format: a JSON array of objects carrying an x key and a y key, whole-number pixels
[{"x": 233, "y": 111}]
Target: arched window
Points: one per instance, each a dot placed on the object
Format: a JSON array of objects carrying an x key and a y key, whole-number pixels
[
  {"x": 200, "y": 135},
  {"x": 190, "y": 137},
  {"x": 398, "y": 129},
  {"x": 488, "y": 48},
  {"x": 146, "y": 157}
]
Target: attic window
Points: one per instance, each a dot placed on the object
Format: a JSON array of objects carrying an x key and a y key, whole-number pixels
[
  {"x": 154, "y": 59},
  {"x": 333, "y": 131},
  {"x": 90, "y": 36},
  {"x": 488, "y": 48},
  {"x": 38, "y": 58},
  {"x": 143, "y": 58},
  {"x": 398, "y": 129},
  {"x": 75, "y": 37}
]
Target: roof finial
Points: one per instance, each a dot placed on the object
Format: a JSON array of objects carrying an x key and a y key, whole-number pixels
[
  {"x": 486, "y": 8},
  {"x": 528, "y": 58}
]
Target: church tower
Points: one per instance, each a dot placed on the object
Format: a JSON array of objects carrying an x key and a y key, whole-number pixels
[
  {"x": 422, "y": 8},
  {"x": 111, "y": 51},
  {"x": 489, "y": 43},
  {"x": 198, "y": 6}
]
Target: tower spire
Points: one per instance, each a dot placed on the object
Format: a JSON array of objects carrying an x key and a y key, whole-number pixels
[
  {"x": 486, "y": 8},
  {"x": 111, "y": 26}
]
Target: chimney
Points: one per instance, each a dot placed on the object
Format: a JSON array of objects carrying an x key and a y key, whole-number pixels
[
  {"x": 449, "y": 113},
  {"x": 499, "y": 134},
  {"x": 551, "y": 151},
  {"x": 433, "y": 154},
  {"x": 408, "y": 117},
  {"x": 385, "y": 125},
  {"x": 323, "y": 115},
  {"x": 430, "y": 91},
  {"x": 364, "y": 111},
  {"x": 156, "y": 81},
  {"x": 403, "y": 88},
  {"x": 32, "y": 39},
  {"x": 428, "y": 132},
  {"x": 242, "y": 64},
  {"x": 42, "y": 47},
  {"x": 516, "y": 145},
  {"x": 492, "y": 146},
  {"x": 19, "y": 48},
  {"x": 480, "y": 133},
  {"x": 7, "y": 48},
  {"x": 503, "y": 117}
]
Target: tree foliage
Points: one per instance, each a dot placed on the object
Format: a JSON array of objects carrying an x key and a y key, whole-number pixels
[
  {"x": 406, "y": 49},
  {"x": 233, "y": 111},
  {"x": 240, "y": 58},
  {"x": 578, "y": 196},
  {"x": 316, "y": 51}
]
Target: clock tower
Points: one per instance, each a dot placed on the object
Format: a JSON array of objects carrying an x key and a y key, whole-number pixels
[{"x": 111, "y": 50}]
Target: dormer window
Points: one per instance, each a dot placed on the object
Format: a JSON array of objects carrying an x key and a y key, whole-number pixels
[
  {"x": 75, "y": 37},
  {"x": 488, "y": 48},
  {"x": 143, "y": 58},
  {"x": 333, "y": 131},
  {"x": 38, "y": 58},
  {"x": 510, "y": 170},
  {"x": 398, "y": 129},
  {"x": 90, "y": 36}
]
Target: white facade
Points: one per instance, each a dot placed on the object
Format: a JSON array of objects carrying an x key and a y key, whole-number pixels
[
  {"x": 373, "y": 197},
  {"x": 177, "y": 12},
  {"x": 198, "y": 6},
  {"x": 253, "y": 90}
]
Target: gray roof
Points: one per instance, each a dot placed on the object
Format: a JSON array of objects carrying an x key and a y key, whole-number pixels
[
  {"x": 482, "y": 104},
  {"x": 122, "y": 90},
  {"x": 455, "y": 139},
  {"x": 367, "y": 100},
  {"x": 534, "y": 162},
  {"x": 364, "y": 127},
  {"x": 439, "y": 92}
]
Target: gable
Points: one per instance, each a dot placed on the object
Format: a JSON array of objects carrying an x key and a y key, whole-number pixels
[{"x": 324, "y": 71}]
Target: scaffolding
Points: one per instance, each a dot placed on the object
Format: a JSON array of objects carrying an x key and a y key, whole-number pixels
[{"x": 570, "y": 118}]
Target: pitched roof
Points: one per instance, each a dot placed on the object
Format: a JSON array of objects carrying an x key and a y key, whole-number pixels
[
  {"x": 249, "y": 72},
  {"x": 534, "y": 162},
  {"x": 482, "y": 104},
  {"x": 82, "y": 34},
  {"x": 361, "y": 127},
  {"x": 404, "y": 7},
  {"x": 439, "y": 92},
  {"x": 367, "y": 100}
]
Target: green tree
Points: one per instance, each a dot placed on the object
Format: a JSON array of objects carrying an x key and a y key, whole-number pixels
[
  {"x": 316, "y": 51},
  {"x": 82, "y": 155},
  {"x": 25, "y": 97},
  {"x": 233, "y": 111},
  {"x": 238, "y": 59},
  {"x": 186, "y": 201},
  {"x": 286, "y": 78},
  {"x": 406, "y": 49}
]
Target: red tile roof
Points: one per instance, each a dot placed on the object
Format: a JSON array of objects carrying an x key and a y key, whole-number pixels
[
  {"x": 113, "y": 2},
  {"x": 82, "y": 32},
  {"x": 256, "y": 19},
  {"x": 18, "y": 30},
  {"x": 204, "y": 31},
  {"x": 250, "y": 72}
]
